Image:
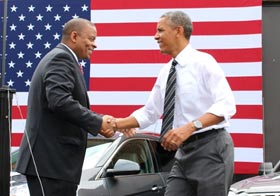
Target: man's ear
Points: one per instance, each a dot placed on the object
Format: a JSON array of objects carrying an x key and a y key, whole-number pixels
[
  {"x": 73, "y": 36},
  {"x": 180, "y": 30}
]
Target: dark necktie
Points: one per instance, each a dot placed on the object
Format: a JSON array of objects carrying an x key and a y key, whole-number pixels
[
  {"x": 81, "y": 68},
  {"x": 169, "y": 100}
]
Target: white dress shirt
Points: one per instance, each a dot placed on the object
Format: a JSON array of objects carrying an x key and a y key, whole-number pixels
[
  {"x": 75, "y": 56},
  {"x": 201, "y": 88}
]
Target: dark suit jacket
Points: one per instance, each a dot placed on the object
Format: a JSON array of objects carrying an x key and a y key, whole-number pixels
[{"x": 58, "y": 119}]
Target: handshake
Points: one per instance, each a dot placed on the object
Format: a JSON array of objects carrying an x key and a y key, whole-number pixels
[{"x": 109, "y": 127}]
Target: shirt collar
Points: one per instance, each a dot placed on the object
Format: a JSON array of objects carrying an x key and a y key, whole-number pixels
[
  {"x": 75, "y": 56},
  {"x": 181, "y": 57}
]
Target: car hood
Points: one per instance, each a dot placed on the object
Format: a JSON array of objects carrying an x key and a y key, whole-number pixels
[{"x": 258, "y": 184}]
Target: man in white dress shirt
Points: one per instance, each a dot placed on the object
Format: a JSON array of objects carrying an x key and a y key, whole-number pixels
[{"x": 204, "y": 104}]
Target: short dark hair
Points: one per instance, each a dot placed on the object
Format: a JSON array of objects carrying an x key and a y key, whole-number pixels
[{"x": 76, "y": 24}]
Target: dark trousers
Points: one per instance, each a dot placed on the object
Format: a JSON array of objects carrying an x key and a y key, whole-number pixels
[
  {"x": 203, "y": 167},
  {"x": 51, "y": 187}
]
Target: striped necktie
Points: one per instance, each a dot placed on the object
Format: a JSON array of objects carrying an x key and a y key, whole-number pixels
[{"x": 169, "y": 100}]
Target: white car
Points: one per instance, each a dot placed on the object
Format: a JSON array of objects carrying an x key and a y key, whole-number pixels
[
  {"x": 265, "y": 184},
  {"x": 18, "y": 185}
]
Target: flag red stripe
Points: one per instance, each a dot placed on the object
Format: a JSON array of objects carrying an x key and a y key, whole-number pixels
[
  {"x": 240, "y": 140},
  {"x": 200, "y": 28},
  {"x": 245, "y": 83},
  {"x": 16, "y": 139},
  {"x": 239, "y": 167},
  {"x": 154, "y": 56},
  {"x": 19, "y": 112},
  {"x": 128, "y": 4},
  {"x": 247, "y": 140},
  {"x": 246, "y": 168},
  {"x": 236, "y": 55},
  {"x": 146, "y": 84},
  {"x": 249, "y": 112},
  {"x": 243, "y": 111}
]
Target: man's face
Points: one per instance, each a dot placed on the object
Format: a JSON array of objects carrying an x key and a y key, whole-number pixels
[
  {"x": 86, "y": 42},
  {"x": 166, "y": 36}
]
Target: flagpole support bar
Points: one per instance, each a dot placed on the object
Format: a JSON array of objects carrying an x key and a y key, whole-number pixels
[{"x": 6, "y": 97}]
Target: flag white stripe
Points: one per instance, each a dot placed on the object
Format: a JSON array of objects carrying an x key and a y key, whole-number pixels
[
  {"x": 251, "y": 126},
  {"x": 14, "y": 148},
  {"x": 248, "y": 97},
  {"x": 242, "y": 69},
  {"x": 248, "y": 154},
  {"x": 196, "y": 14},
  {"x": 198, "y": 42},
  {"x": 140, "y": 98},
  {"x": 152, "y": 69}
]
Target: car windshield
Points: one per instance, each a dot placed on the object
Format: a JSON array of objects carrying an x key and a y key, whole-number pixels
[{"x": 93, "y": 155}]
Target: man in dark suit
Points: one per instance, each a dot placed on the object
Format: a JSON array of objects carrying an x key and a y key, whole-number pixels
[{"x": 59, "y": 116}]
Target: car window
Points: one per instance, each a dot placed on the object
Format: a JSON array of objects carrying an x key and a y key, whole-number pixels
[
  {"x": 136, "y": 150},
  {"x": 93, "y": 154},
  {"x": 163, "y": 159}
]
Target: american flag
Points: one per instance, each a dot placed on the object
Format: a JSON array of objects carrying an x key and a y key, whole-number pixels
[{"x": 124, "y": 67}]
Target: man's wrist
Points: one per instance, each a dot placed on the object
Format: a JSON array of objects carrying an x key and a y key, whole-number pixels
[
  {"x": 115, "y": 127},
  {"x": 196, "y": 125}
]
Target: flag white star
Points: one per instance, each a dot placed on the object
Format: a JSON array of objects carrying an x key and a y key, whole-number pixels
[
  {"x": 21, "y": 36},
  {"x": 31, "y": 8},
  {"x": 30, "y": 27},
  {"x": 83, "y": 63},
  {"x": 39, "y": 36},
  {"x": 47, "y": 45},
  {"x": 49, "y": 8},
  {"x": 27, "y": 82},
  {"x": 39, "y": 17},
  {"x": 12, "y": 45},
  {"x": 14, "y": 8},
  {"x": 10, "y": 83},
  {"x": 38, "y": 55},
  {"x": 13, "y": 27},
  {"x": 56, "y": 36},
  {"x": 57, "y": 17},
  {"x": 19, "y": 74},
  {"x": 75, "y": 16},
  {"x": 28, "y": 64},
  {"x": 84, "y": 7},
  {"x": 66, "y": 8},
  {"x": 11, "y": 64},
  {"x": 21, "y": 17},
  {"x": 20, "y": 55},
  {"x": 29, "y": 45},
  {"x": 48, "y": 27}
]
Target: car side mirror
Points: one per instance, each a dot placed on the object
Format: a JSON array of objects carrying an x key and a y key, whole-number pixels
[
  {"x": 265, "y": 168},
  {"x": 123, "y": 167}
]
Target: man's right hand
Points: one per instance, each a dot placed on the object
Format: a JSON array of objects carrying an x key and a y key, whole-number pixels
[{"x": 108, "y": 127}]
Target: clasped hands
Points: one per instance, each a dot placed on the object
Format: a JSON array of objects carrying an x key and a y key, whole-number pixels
[{"x": 109, "y": 127}]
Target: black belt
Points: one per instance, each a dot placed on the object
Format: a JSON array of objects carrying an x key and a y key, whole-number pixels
[{"x": 201, "y": 135}]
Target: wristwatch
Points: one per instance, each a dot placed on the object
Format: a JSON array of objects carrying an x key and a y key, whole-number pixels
[{"x": 197, "y": 124}]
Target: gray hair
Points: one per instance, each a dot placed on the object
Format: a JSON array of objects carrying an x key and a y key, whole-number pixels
[{"x": 179, "y": 18}]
